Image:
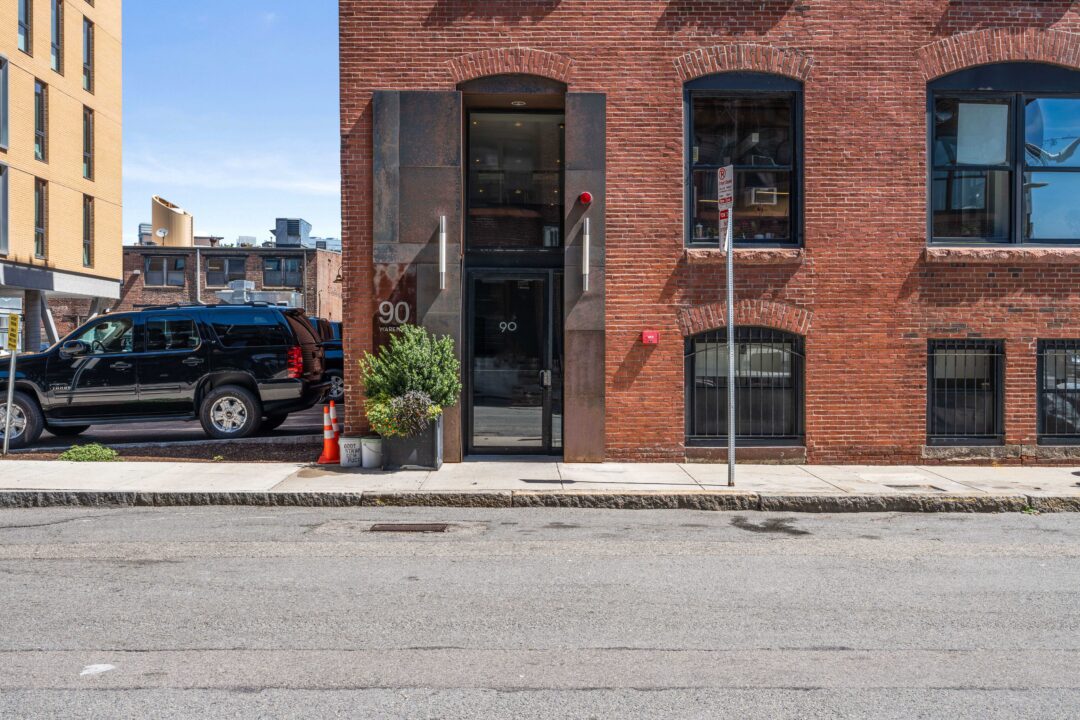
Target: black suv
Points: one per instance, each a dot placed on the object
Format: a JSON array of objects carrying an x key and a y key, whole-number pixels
[
  {"x": 235, "y": 368},
  {"x": 334, "y": 357}
]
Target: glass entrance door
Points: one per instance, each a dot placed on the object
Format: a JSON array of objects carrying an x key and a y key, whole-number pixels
[{"x": 515, "y": 362}]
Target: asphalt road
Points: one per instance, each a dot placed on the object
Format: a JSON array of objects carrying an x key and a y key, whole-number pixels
[
  {"x": 252, "y": 612},
  {"x": 308, "y": 422}
]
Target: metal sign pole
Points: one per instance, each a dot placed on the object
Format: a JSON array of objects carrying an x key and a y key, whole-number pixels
[
  {"x": 730, "y": 354},
  {"x": 12, "y": 345},
  {"x": 725, "y": 202}
]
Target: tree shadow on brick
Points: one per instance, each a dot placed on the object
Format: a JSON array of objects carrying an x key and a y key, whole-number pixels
[
  {"x": 961, "y": 16},
  {"x": 735, "y": 16},
  {"x": 447, "y": 12}
]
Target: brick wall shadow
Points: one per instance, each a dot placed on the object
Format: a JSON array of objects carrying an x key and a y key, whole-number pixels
[
  {"x": 447, "y": 12},
  {"x": 961, "y": 16},
  {"x": 735, "y": 16}
]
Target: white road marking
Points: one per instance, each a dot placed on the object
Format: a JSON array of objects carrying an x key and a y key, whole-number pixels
[{"x": 96, "y": 669}]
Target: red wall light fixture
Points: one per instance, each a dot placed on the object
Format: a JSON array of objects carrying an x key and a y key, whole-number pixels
[{"x": 650, "y": 337}]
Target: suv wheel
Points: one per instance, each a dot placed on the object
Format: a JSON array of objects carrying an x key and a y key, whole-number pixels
[
  {"x": 337, "y": 387},
  {"x": 26, "y": 421},
  {"x": 230, "y": 412}
]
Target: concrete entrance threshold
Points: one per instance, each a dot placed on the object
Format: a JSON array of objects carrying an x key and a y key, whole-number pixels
[{"x": 524, "y": 482}]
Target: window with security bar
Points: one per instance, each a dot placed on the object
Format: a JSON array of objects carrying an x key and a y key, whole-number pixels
[
  {"x": 769, "y": 387},
  {"x": 965, "y": 392},
  {"x": 1059, "y": 392}
]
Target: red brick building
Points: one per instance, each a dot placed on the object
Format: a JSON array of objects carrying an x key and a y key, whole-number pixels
[
  {"x": 907, "y": 249},
  {"x": 158, "y": 275}
]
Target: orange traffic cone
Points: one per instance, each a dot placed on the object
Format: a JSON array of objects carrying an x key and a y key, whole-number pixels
[
  {"x": 334, "y": 420},
  {"x": 331, "y": 453}
]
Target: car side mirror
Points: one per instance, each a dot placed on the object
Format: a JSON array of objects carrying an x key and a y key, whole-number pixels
[{"x": 74, "y": 348}]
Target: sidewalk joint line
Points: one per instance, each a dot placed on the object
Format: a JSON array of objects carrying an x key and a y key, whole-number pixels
[{"x": 808, "y": 471}]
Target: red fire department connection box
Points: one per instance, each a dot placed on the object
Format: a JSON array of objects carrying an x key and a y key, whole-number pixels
[{"x": 650, "y": 337}]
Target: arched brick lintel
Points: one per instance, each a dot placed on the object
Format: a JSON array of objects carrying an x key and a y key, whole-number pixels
[
  {"x": 760, "y": 313},
  {"x": 511, "y": 61},
  {"x": 747, "y": 57},
  {"x": 983, "y": 47}
]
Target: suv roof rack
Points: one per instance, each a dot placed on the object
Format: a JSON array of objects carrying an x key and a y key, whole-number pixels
[{"x": 173, "y": 306}]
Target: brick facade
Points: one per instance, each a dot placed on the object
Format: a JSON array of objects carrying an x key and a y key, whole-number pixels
[{"x": 864, "y": 289}]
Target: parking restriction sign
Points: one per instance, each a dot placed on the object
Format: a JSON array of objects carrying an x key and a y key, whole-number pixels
[{"x": 725, "y": 195}]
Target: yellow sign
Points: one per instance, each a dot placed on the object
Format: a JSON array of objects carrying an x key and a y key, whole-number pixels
[{"x": 13, "y": 333}]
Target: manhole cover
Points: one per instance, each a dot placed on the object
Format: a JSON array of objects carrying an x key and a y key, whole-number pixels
[{"x": 410, "y": 527}]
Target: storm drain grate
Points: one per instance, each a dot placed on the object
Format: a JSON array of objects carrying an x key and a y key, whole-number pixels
[
  {"x": 923, "y": 488},
  {"x": 410, "y": 527}
]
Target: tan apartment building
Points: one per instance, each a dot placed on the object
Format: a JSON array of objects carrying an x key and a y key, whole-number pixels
[{"x": 60, "y": 157}]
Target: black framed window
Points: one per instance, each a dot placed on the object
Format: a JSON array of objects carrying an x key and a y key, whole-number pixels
[
  {"x": 4, "y": 110},
  {"x": 1059, "y": 392},
  {"x": 165, "y": 271},
  {"x": 965, "y": 381},
  {"x": 88, "y": 55},
  {"x": 56, "y": 58},
  {"x": 769, "y": 372},
  {"x": 1005, "y": 157},
  {"x": 220, "y": 271},
  {"x": 88, "y": 231},
  {"x": 282, "y": 272},
  {"x": 515, "y": 181},
  {"x": 4, "y": 209},
  {"x": 752, "y": 121},
  {"x": 88, "y": 143},
  {"x": 41, "y": 121},
  {"x": 26, "y": 26},
  {"x": 41, "y": 218}
]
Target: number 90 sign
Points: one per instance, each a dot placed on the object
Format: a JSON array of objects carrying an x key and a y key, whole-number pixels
[{"x": 394, "y": 313}]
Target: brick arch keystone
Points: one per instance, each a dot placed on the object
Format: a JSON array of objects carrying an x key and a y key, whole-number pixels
[
  {"x": 763, "y": 313},
  {"x": 510, "y": 61},
  {"x": 757, "y": 58},
  {"x": 982, "y": 47}
]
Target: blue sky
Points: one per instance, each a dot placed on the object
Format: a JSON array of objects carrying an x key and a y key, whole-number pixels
[{"x": 231, "y": 111}]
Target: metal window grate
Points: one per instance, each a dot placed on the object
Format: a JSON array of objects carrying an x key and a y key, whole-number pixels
[
  {"x": 769, "y": 387},
  {"x": 1059, "y": 391},
  {"x": 965, "y": 381}
]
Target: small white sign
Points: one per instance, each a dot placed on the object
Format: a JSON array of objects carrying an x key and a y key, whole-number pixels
[{"x": 725, "y": 197}]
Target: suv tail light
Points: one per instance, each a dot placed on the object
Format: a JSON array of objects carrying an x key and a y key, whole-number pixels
[{"x": 294, "y": 358}]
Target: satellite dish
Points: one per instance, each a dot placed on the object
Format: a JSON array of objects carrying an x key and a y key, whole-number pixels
[{"x": 162, "y": 233}]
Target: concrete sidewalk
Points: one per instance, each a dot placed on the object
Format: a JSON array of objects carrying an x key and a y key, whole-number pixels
[{"x": 527, "y": 483}]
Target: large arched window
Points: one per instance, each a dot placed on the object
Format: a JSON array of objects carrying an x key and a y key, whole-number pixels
[
  {"x": 1005, "y": 155},
  {"x": 752, "y": 121},
  {"x": 768, "y": 381}
]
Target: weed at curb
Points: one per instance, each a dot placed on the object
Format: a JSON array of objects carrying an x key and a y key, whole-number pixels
[{"x": 94, "y": 452}]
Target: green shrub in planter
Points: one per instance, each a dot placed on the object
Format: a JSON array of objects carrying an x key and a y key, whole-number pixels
[
  {"x": 409, "y": 381},
  {"x": 414, "y": 359},
  {"x": 94, "y": 452}
]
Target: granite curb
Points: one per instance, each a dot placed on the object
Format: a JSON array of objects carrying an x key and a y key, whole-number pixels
[{"x": 719, "y": 501}]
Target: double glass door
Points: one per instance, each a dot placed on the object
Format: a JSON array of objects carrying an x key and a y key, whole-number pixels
[{"x": 515, "y": 362}]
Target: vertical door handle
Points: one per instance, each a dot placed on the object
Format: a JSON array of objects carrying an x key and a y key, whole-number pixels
[{"x": 586, "y": 242}]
